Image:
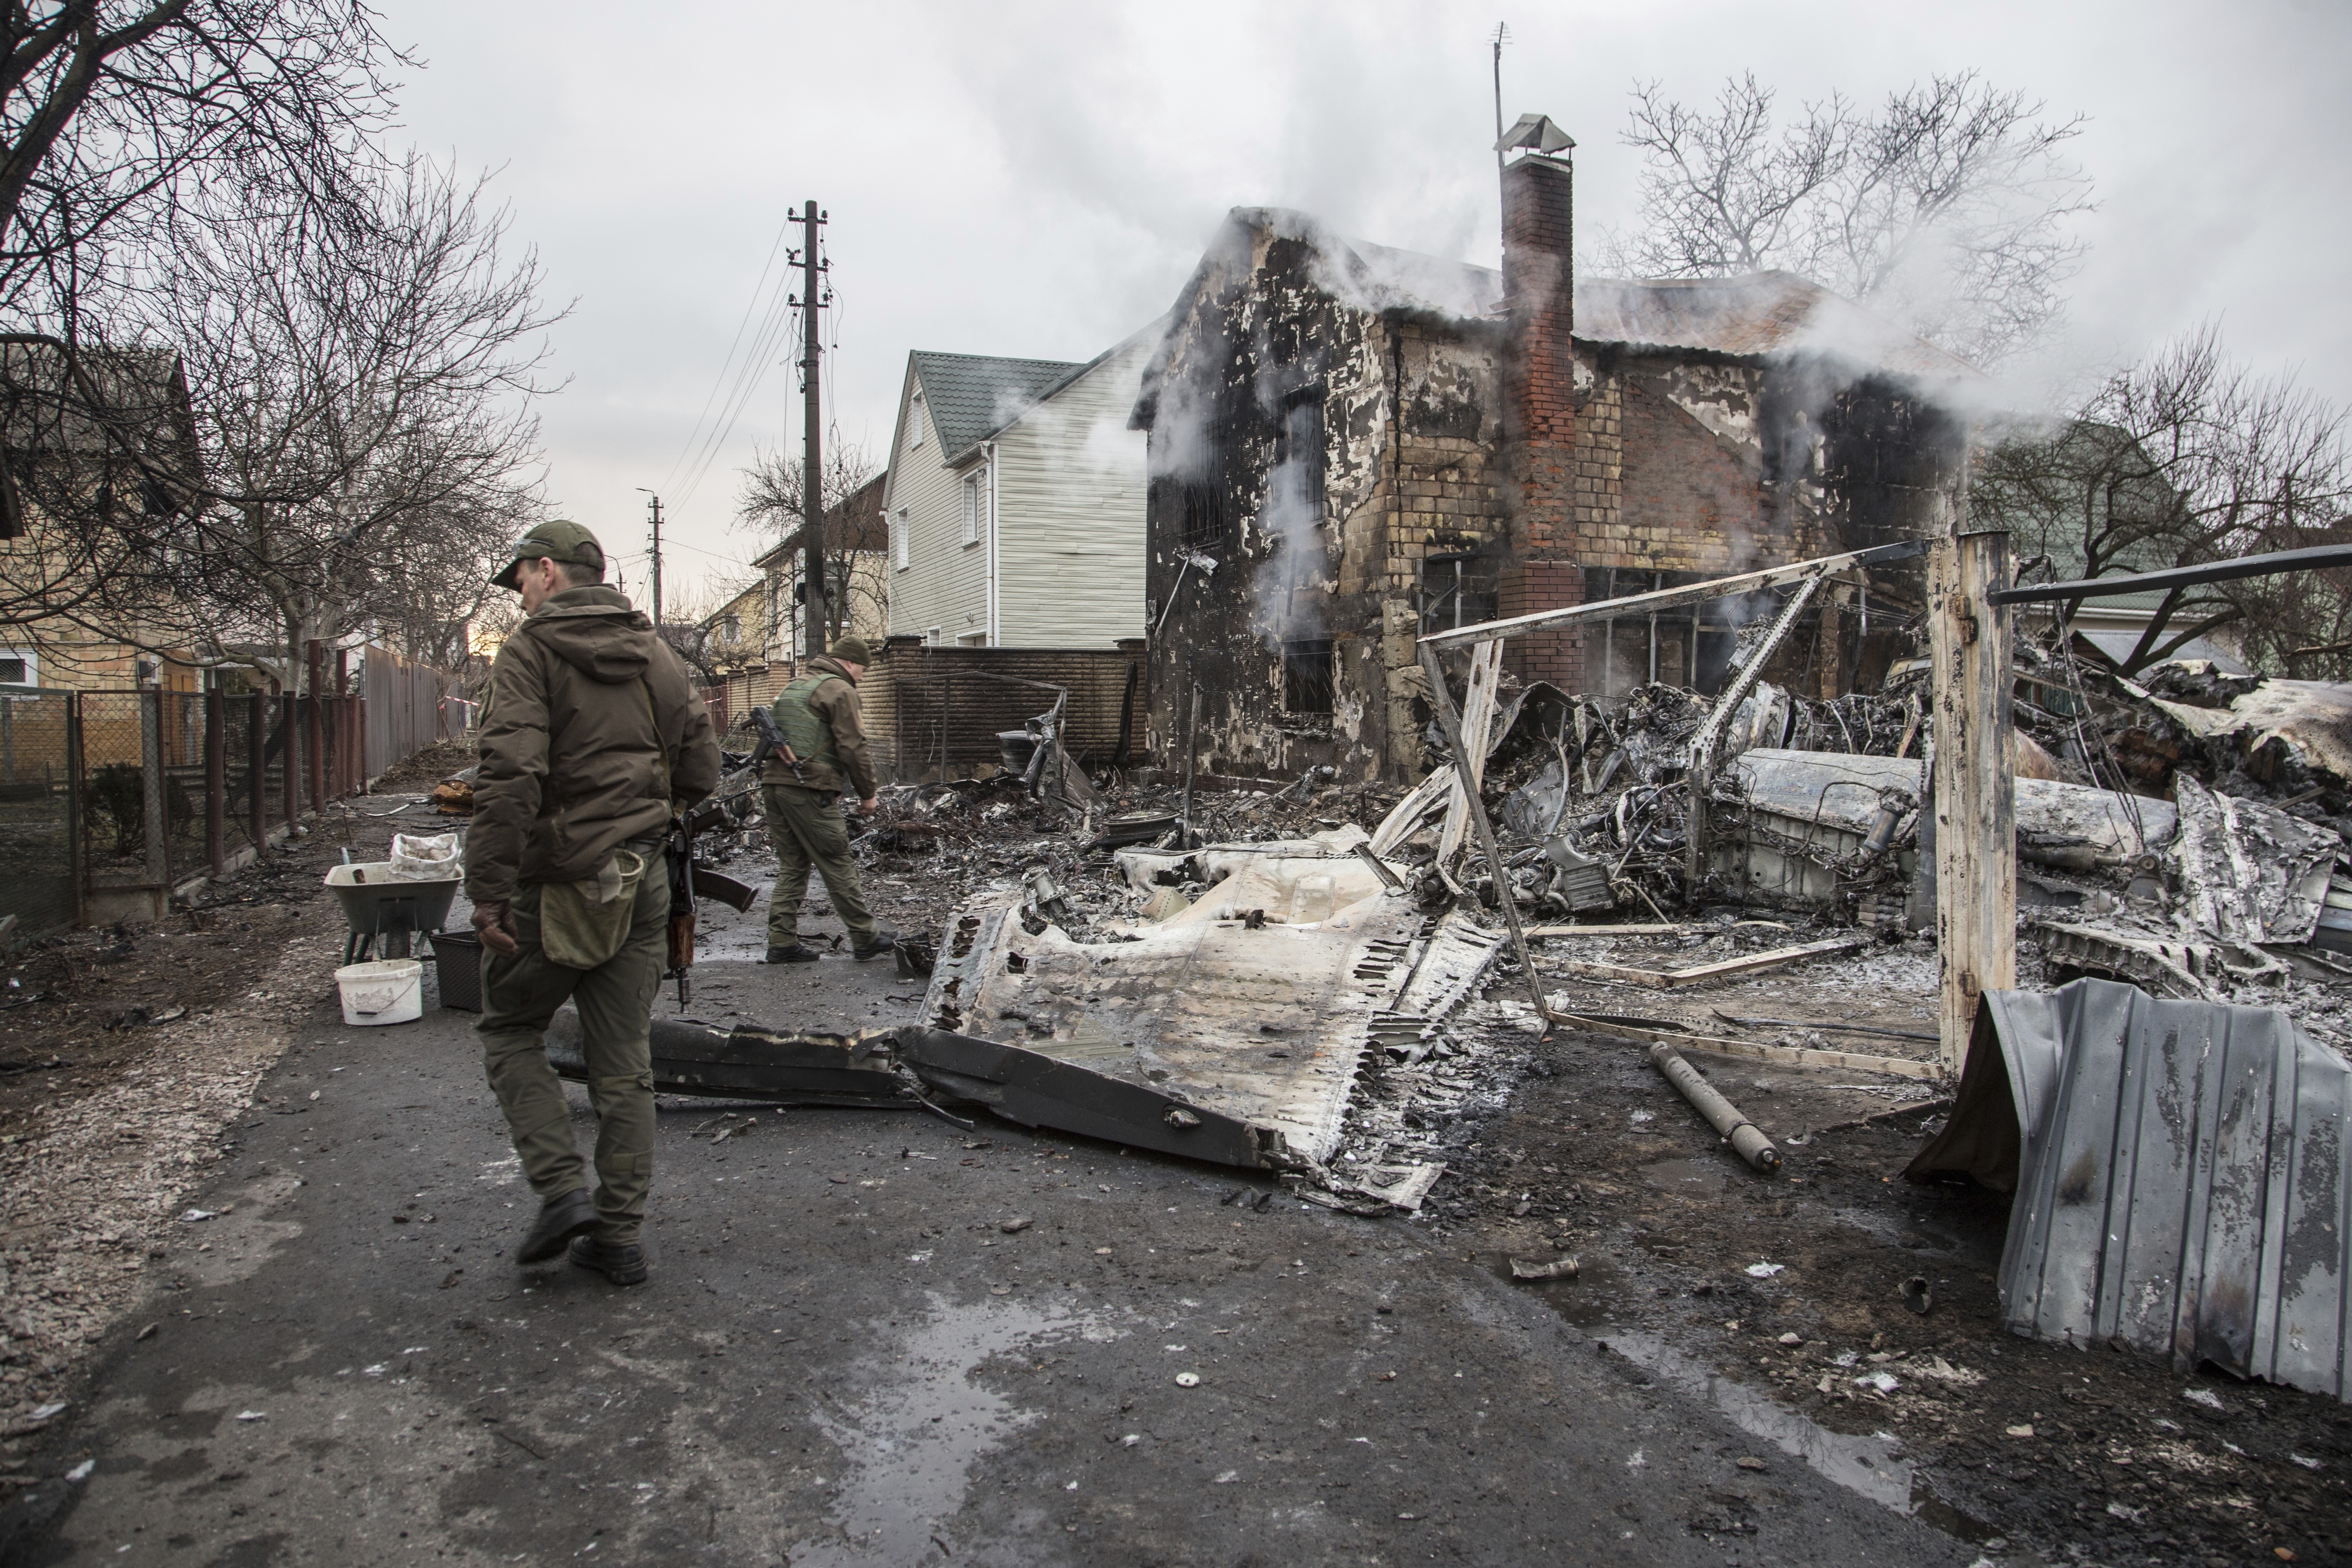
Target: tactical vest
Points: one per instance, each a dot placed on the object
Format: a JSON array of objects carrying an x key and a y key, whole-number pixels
[{"x": 805, "y": 730}]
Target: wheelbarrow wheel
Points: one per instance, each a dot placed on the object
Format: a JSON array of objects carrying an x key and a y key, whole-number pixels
[{"x": 396, "y": 944}]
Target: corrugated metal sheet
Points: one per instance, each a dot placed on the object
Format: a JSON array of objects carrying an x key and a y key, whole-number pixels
[{"x": 2181, "y": 1177}]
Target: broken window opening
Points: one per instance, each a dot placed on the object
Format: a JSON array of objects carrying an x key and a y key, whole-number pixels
[
  {"x": 1299, "y": 445},
  {"x": 1310, "y": 676},
  {"x": 1203, "y": 515},
  {"x": 1204, "y": 522},
  {"x": 1455, "y": 592}
]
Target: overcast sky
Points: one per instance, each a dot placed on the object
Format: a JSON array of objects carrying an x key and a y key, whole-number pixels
[{"x": 1038, "y": 179}]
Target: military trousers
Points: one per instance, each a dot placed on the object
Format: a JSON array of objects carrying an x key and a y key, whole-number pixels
[
  {"x": 809, "y": 833},
  {"x": 616, "y": 1001}
]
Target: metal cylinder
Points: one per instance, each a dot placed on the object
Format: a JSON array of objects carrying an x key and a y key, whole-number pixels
[{"x": 1746, "y": 1141}]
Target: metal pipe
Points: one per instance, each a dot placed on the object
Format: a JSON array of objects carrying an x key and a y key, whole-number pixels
[
  {"x": 1192, "y": 750},
  {"x": 2266, "y": 565},
  {"x": 216, "y": 784},
  {"x": 1692, "y": 592},
  {"x": 1746, "y": 1140},
  {"x": 257, "y": 767}
]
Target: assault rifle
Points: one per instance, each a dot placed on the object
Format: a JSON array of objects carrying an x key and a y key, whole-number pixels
[{"x": 691, "y": 879}]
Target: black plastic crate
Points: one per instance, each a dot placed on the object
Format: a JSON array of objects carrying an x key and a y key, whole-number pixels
[{"x": 457, "y": 965}]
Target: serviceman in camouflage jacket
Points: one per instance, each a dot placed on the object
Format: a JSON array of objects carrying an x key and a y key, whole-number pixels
[
  {"x": 818, "y": 714},
  {"x": 591, "y": 738}
]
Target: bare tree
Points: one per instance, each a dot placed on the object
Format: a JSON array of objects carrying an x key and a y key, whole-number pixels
[
  {"x": 114, "y": 112},
  {"x": 2183, "y": 458},
  {"x": 1947, "y": 209},
  {"x": 770, "y": 503},
  {"x": 365, "y": 413},
  {"x": 121, "y": 122},
  {"x": 700, "y": 636}
]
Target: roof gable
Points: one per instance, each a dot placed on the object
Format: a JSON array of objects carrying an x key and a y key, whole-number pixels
[{"x": 972, "y": 396}]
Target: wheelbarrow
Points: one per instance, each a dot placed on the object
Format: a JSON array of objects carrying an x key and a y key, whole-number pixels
[{"x": 385, "y": 915}]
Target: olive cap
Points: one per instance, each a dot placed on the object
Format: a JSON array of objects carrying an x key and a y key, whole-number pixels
[
  {"x": 851, "y": 650},
  {"x": 558, "y": 540}
]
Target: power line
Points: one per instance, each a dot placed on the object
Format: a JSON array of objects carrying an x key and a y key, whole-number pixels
[
  {"x": 749, "y": 309},
  {"x": 781, "y": 327}
]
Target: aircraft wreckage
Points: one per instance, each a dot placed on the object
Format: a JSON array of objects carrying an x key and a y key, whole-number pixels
[{"x": 1235, "y": 1031}]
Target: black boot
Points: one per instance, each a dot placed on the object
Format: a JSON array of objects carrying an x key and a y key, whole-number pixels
[
  {"x": 799, "y": 952},
  {"x": 886, "y": 941},
  {"x": 560, "y": 1219},
  {"x": 623, "y": 1263}
]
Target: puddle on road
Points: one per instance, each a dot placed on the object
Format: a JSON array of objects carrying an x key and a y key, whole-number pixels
[
  {"x": 1871, "y": 1465},
  {"x": 911, "y": 1441}
]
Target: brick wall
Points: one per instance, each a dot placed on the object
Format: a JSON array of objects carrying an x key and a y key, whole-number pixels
[
  {"x": 1689, "y": 502},
  {"x": 1556, "y": 656}
]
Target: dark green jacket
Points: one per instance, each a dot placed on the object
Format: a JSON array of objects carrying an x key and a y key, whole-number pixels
[
  {"x": 586, "y": 705},
  {"x": 852, "y": 768}
]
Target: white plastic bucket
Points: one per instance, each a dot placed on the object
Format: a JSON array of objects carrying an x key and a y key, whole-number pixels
[{"x": 388, "y": 991}]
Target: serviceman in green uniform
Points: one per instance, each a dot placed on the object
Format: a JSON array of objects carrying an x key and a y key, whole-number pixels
[
  {"x": 591, "y": 738},
  {"x": 818, "y": 714}
]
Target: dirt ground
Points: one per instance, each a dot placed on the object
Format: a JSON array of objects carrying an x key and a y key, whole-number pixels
[{"x": 2100, "y": 1454}]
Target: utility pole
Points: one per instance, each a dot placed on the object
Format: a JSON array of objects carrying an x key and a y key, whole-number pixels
[
  {"x": 656, "y": 553},
  {"x": 813, "y": 298},
  {"x": 1502, "y": 37}
]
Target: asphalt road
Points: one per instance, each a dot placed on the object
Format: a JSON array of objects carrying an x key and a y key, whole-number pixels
[{"x": 845, "y": 1357}]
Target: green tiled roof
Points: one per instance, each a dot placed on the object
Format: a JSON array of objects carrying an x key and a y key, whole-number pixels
[{"x": 971, "y": 396}]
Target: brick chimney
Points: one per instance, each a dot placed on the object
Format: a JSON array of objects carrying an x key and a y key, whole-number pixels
[{"x": 1539, "y": 412}]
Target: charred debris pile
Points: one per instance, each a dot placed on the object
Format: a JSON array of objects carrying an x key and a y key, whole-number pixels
[{"x": 1294, "y": 978}]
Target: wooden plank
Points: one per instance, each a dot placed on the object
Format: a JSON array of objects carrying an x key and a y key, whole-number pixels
[
  {"x": 1478, "y": 724},
  {"x": 1784, "y": 1056},
  {"x": 1668, "y": 979},
  {"x": 1449, "y": 722},
  {"x": 1975, "y": 782},
  {"x": 1404, "y": 818},
  {"x": 1652, "y": 930},
  {"x": 1671, "y": 598}
]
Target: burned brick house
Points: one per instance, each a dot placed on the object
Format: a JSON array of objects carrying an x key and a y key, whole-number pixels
[{"x": 1348, "y": 446}]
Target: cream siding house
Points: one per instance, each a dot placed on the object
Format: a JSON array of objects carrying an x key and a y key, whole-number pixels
[{"x": 1015, "y": 500}]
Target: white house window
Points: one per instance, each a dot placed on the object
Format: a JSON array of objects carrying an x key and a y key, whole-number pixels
[
  {"x": 731, "y": 630},
  {"x": 899, "y": 529},
  {"x": 915, "y": 420},
  {"x": 20, "y": 666},
  {"x": 975, "y": 505}
]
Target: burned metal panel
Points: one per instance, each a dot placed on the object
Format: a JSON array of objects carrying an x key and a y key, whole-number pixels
[
  {"x": 752, "y": 1062},
  {"x": 2183, "y": 1183},
  {"x": 1041, "y": 1090},
  {"x": 1267, "y": 1024}
]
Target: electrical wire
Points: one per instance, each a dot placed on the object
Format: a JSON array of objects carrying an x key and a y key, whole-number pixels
[{"x": 749, "y": 309}]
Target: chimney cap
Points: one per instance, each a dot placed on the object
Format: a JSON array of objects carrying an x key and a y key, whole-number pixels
[{"x": 1537, "y": 134}]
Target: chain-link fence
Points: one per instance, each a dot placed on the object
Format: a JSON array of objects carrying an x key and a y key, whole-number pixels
[{"x": 40, "y": 847}]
